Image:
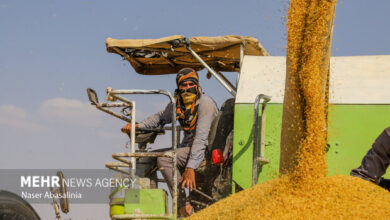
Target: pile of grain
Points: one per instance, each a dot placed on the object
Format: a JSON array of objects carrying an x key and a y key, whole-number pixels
[
  {"x": 306, "y": 192},
  {"x": 336, "y": 197}
]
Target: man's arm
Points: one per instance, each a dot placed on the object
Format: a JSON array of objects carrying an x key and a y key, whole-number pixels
[{"x": 160, "y": 118}]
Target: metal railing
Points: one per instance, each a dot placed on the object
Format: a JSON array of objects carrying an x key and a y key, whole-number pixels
[
  {"x": 258, "y": 158},
  {"x": 113, "y": 95}
]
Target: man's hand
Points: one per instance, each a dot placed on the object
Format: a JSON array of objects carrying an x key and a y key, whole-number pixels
[
  {"x": 188, "y": 179},
  {"x": 186, "y": 210},
  {"x": 127, "y": 128}
]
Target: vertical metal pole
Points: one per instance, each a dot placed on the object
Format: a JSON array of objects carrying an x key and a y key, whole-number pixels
[
  {"x": 262, "y": 130},
  {"x": 241, "y": 59},
  {"x": 241, "y": 54},
  {"x": 132, "y": 144},
  {"x": 254, "y": 137},
  {"x": 174, "y": 141},
  {"x": 262, "y": 133}
]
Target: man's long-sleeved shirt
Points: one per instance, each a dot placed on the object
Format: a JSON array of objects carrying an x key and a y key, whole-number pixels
[{"x": 207, "y": 111}]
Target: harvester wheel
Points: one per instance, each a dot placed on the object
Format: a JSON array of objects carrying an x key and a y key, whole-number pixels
[{"x": 14, "y": 207}]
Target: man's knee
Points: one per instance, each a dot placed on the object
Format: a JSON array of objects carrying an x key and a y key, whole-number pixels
[
  {"x": 182, "y": 155},
  {"x": 164, "y": 162}
]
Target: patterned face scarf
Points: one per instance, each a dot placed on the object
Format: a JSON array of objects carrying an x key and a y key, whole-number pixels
[{"x": 187, "y": 101}]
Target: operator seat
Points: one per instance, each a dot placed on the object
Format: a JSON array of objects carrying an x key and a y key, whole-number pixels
[
  {"x": 207, "y": 172},
  {"x": 221, "y": 126},
  {"x": 219, "y": 131}
]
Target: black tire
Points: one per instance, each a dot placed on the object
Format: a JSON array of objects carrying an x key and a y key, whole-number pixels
[{"x": 12, "y": 207}]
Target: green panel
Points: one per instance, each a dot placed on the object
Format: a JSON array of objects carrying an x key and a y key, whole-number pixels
[
  {"x": 352, "y": 130},
  {"x": 243, "y": 145},
  {"x": 272, "y": 142},
  {"x": 146, "y": 201}
]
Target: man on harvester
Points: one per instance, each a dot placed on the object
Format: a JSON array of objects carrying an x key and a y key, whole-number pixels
[{"x": 195, "y": 111}]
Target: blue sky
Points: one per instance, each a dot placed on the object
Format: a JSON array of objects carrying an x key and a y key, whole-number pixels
[{"x": 51, "y": 51}]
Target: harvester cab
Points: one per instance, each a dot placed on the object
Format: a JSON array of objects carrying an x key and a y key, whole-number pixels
[{"x": 144, "y": 200}]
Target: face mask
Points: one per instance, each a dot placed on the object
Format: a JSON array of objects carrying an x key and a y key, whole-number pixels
[
  {"x": 188, "y": 95},
  {"x": 188, "y": 98}
]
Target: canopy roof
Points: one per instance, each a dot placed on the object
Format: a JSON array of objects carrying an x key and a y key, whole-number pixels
[{"x": 169, "y": 54}]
